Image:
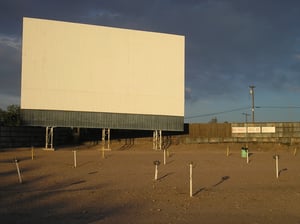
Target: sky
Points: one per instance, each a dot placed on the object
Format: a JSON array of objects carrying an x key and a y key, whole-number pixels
[{"x": 229, "y": 46}]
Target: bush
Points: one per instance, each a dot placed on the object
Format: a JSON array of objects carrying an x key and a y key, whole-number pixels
[{"x": 10, "y": 117}]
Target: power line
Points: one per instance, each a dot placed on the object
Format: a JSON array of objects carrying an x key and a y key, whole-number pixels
[
  {"x": 242, "y": 108},
  {"x": 216, "y": 113},
  {"x": 279, "y": 107}
]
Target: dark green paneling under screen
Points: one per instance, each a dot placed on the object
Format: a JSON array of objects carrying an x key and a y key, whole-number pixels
[{"x": 55, "y": 118}]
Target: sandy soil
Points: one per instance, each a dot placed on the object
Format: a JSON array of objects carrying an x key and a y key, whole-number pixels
[{"x": 120, "y": 188}]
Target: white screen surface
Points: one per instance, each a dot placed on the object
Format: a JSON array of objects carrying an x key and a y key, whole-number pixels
[{"x": 78, "y": 67}]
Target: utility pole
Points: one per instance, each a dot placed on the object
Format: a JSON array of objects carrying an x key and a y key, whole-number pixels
[
  {"x": 252, "y": 94},
  {"x": 246, "y": 126},
  {"x": 246, "y": 117}
]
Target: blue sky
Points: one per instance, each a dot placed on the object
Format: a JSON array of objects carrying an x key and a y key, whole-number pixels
[{"x": 230, "y": 44}]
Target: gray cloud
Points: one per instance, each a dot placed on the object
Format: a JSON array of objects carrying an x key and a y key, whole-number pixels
[{"x": 10, "y": 69}]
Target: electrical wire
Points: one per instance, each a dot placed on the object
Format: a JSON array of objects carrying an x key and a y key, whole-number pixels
[
  {"x": 216, "y": 113},
  {"x": 278, "y": 107},
  {"x": 242, "y": 108}
]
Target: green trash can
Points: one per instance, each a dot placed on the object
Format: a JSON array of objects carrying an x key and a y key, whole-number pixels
[{"x": 244, "y": 151}]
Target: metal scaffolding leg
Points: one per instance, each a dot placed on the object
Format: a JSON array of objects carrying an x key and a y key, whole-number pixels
[
  {"x": 160, "y": 139},
  {"x": 106, "y": 136},
  {"x": 49, "y": 138},
  {"x": 157, "y": 139}
]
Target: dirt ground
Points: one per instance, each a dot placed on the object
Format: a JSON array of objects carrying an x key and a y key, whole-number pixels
[{"x": 120, "y": 188}]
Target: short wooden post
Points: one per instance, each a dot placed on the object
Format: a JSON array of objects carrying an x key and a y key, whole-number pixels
[
  {"x": 18, "y": 170},
  {"x": 227, "y": 151},
  {"x": 165, "y": 155},
  {"x": 295, "y": 151}
]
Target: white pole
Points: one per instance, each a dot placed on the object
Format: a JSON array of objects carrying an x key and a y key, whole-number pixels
[
  {"x": 103, "y": 142},
  {"x": 153, "y": 140},
  {"x": 51, "y": 139},
  {"x": 75, "y": 159},
  {"x": 165, "y": 156},
  {"x": 191, "y": 179},
  {"x": 108, "y": 138},
  {"x": 277, "y": 172},
  {"x": 156, "y": 163},
  {"x": 18, "y": 170},
  {"x": 103, "y": 137},
  {"x": 160, "y": 139},
  {"x": 156, "y": 139},
  {"x": 47, "y": 136}
]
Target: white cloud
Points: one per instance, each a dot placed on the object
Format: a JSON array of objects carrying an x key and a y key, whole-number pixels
[
  {"x": 297, "y": 56},
  {"x": 10, "y": 41},
  {"x": 96, "y": 14}
]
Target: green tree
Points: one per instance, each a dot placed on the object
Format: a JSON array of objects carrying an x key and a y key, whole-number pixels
[
  {"x": 10, "y": 117},
  {"x": 214, "y": 120},
  {"x": 2, "y": 117}
]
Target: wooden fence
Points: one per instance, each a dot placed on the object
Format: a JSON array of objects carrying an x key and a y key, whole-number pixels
[
  {"x": 209, "y": 130},
  {"x": 24, "y": 136},
  {"x": 281, "y": 132}
]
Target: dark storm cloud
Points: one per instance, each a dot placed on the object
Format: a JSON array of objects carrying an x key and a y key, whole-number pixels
[
  {"x": 10, "y": 60},
  {"x": 236, "y": 45},
  {"x": 230, "y": 44}
]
